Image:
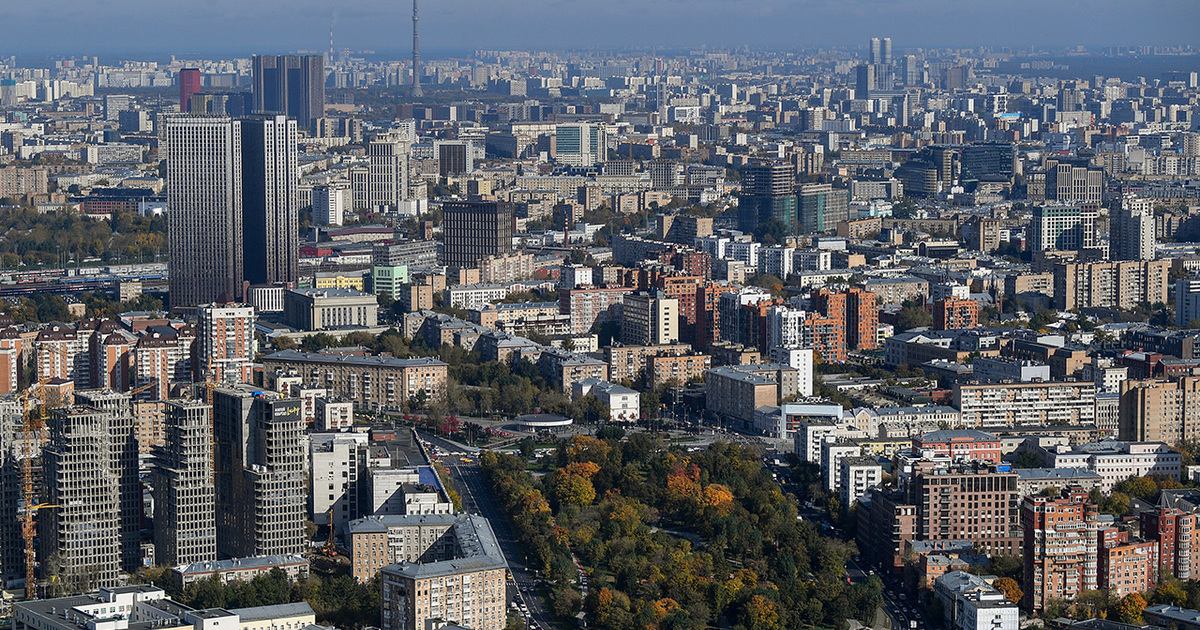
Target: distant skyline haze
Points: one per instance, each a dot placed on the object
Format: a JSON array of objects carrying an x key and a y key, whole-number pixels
[{"x": 457, "y": 27}]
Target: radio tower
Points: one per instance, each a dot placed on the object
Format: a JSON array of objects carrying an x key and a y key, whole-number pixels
[{"x": 416, "y": 83}]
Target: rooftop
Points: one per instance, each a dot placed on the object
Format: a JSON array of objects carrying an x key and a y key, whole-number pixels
[{"x": 294, "y": 356}]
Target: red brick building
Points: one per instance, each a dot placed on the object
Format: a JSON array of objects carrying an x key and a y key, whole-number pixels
[{"x": 952, "y": 314}]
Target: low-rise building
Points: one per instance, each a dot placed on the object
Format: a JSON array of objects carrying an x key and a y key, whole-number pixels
[
  {"x": 970, "y": 602},
  {"x": 240, "y": 569},
  {"x": 624, "y": 404},
  {"x": 1117, "y": 461},
  {"x": 371, "y": 382},
  {"x": 328, "y": 309}
]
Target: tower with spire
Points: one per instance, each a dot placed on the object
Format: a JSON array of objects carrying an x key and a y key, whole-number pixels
[{"x": 416, "y": 79}]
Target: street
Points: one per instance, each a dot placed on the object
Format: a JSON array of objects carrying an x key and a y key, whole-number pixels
[{"x": 477, "y": 499}]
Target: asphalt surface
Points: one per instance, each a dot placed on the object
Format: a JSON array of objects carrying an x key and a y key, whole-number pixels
[{"x": 477, "y": 499}]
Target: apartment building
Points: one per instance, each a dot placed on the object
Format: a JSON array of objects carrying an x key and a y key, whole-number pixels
[
  {"x": 185, "y": 529},
  {"x": 370, "y": 382},
  {"x": 1060, "y": 547},
  {"x": 259, "y": 466},
  {"x": 985, "y": 406},
  {"x": 1110, "y": 284}
]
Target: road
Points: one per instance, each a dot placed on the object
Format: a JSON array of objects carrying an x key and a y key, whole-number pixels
[{"x": 477, "y": 499}]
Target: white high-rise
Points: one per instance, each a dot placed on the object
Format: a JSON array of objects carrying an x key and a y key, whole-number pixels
[
  {"x": 331, "y": 203},
  {"x": 1131, "y": 230},
  {"x": 387, "y": 179},
  {"x": 204, "y": 192}
]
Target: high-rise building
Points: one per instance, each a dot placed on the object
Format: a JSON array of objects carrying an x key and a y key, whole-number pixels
[
  {"x": 1063, "y": 227},
  {"x": 862, "y": 319},
  {"x": 190, "y": 83},
  {"x": 387, "y": 177},
  {"x": 80, "y": 540},
  {"x": 290, "y": 85},
  {"x": 1073, "y": 180},
  {"x": 580, "y": 144},
  {"x": 12, "y": 454},
  {"x": 1187, "y": 301},
  {"x": 1061, "y": 547},
  {"x": 225, "y": 343},
  {"x": 768, "y": 192},
  {"x": 821, "y": 206},
  {"x": 259, "y": 466},
  {"x": 270, "y": 200},
  {"x": 454, "y": 157},
  {"x": 336, "y": 461},
  {"x": 1110, "y": 284},
  {"x": 123, "y": 464},
  {"x": 649, "y": 319},
  {"x": 875, "y": 54},
  {"x": 185, "y": 529},
  {"x": 474, "y": 230},
  {"x": 204, "y": 191},
  {"x": 331, "y": 203},
  {"x": 1131, "y": 230}
]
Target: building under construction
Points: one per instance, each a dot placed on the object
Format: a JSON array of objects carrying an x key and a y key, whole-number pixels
[
  {"x": 260, "y": 497},
  {"x": 185, "y": 529}
]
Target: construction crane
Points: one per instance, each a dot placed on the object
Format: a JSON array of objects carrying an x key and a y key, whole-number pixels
[{"x": 33, "y": 429}]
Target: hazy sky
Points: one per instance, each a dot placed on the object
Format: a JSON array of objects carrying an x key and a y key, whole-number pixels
[{"x": 245, "y": 26}]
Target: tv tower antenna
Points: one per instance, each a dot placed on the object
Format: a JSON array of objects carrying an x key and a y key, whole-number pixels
[{"x": 416, "y": 79}]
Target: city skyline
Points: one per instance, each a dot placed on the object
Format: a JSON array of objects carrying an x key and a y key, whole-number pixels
[{"x": 464, "y": 25}]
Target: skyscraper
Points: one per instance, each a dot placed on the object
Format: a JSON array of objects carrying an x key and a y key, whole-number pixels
[
  {"x": 271, "y": 203},
  {"x": 768, "y": 192},
  {"x": 185, "y": 529},
  {"x": 79, "y": 541},
  {"x": 259, "y": 465},
  {"x": 473, "y": 230},
  {"x": 387, "y": 178},
  {"x": 123, "y": 465},
  {"x": 204, "y": 191},
  {"x": 875, "y": 54},
  {"x": 189, "y": 84},
  {"x": 292, "y": 85}
]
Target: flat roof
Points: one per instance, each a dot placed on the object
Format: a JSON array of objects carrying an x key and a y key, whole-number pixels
[{"x": 294, "y": 356}]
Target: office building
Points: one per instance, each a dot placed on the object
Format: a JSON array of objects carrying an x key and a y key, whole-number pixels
[
  {"x": 271, "y": 203},
  {"x": 1116, "y": 461},
  {"x": 649, "y": 319},
  {"x": 1073, "y": 180},
  {"x": 80, "y": 540},
  {"x": 580, "y": 144},
  {"x": 331, "y": 204},
  {"x": 821, "y": 207},
  {"x": 474, "y": 230},
  {"x": 1060, "y": 546},
  {"x": 259, "y": 466},
  {"x": 190, "y": 82},
  {"x": 225, "y": 343},
  {"x": 464, "y": 585},
  {"x": 290, "y": 85},
  {"x": 204, "y": 192},
  {"x": 768, "y": 192},
  {"x": 185, "y": 528},
  {"x": 454, "y": 157},
  {"x": 328, "y": 309},
  {"x": 1110, "y": 284},
  {"x": 1064, "y": 227}
]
